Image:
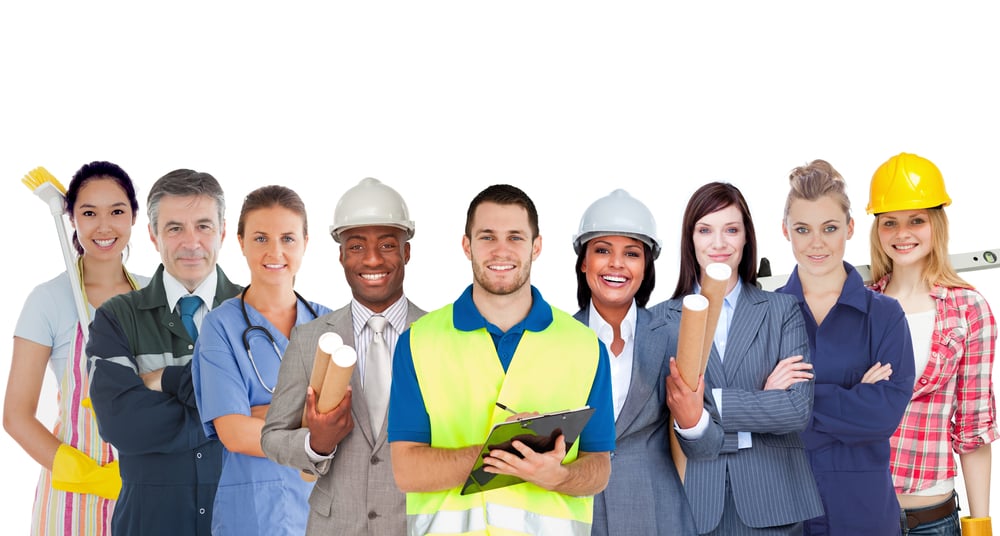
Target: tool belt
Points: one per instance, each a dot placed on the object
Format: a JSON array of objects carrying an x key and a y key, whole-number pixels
[{"x": 918, "y": 516}]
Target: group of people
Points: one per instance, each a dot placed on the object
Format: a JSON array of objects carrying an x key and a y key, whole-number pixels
[{"x": 828, "y": 407}]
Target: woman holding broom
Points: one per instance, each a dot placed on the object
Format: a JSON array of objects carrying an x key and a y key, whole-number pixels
[{"x": 79, "y": 481}]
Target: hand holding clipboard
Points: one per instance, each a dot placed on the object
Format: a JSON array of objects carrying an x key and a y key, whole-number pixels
[{"x": 538, "y": 432}]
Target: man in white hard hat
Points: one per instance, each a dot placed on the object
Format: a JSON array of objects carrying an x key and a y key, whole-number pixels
[{"x": 346, "y": 447}]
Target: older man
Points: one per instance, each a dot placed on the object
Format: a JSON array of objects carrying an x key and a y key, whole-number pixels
[{"x": 140, "y": 347}]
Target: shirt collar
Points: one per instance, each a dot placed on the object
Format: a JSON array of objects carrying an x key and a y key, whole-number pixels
[
  {"x": 853, "y": 294},
  {"x": 175, "y": 290},
  {"x": 732, "y": 297},
  {"x": 466, "y": 317},
  {"x": 606, "y": 331},
  {"x": 395, "y": 314}
]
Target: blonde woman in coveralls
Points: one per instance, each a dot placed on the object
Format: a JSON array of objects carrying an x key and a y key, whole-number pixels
[
  {"x": 256, "y": 496},
  {"x": 862, "y": 358},
  {"x": 79, "y": 482}
]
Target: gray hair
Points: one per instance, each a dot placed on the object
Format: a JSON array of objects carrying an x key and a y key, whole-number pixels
[{"x": 183, "y": 183}]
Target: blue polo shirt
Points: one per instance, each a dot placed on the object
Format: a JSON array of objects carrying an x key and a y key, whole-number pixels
[{"x": 408, "y": 419}]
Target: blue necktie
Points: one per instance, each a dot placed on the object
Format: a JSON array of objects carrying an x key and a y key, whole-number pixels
[{"x": 187, "y": 306}]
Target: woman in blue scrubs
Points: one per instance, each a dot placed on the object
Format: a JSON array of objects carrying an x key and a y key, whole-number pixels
[
  {"x": 862, "y": 360},
  {"x": 235, "y": 369}
]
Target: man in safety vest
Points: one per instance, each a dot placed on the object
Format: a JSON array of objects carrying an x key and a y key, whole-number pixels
[{"x": 500, "y": 342}]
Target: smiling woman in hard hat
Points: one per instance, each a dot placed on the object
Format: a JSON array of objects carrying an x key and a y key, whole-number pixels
[
  {"x": 616, "y": 246},
  {"x": 235, "y": 369},
  {"x": 862, "y": 358},
  {"x": 952, "y": 408},
  {"x": 747, "y": 471}
]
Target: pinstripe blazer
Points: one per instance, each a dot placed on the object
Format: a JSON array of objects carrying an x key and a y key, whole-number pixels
[
  {"x": 772, "y": 483},
  {"x": 356, "y": 492},
  {"x": 644, "y": 494}
]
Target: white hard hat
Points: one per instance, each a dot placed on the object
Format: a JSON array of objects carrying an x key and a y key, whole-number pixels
[
  {"x": 618, "y": 213},
  {"x": 371, "y": 203}
]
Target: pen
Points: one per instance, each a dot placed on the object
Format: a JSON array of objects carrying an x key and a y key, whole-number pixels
[{"x": 505, "y": 408}]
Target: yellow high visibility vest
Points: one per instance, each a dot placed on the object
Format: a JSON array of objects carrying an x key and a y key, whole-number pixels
[{"x": 461, "y": 379}]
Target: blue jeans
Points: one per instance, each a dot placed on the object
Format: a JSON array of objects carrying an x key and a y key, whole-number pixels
[{"x": 946, "y": 526}]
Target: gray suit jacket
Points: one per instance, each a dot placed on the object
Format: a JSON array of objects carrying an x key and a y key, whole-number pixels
[
  {"x": 356, "y": 492},
  {"x": 644, "y": 494},
  {"x": 772, "y": 483}
]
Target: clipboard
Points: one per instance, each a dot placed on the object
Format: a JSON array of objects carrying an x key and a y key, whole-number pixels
[{"x": 539, "y": 432}]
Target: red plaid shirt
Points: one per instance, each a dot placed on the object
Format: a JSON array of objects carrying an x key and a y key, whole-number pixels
[{"x": 952, "y": 408}]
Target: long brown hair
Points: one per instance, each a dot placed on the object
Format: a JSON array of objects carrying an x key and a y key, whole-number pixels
[{"x": 710, "y": 198}]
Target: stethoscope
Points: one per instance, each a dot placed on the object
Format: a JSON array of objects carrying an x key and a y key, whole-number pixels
[{"x": 253, "y": 327}]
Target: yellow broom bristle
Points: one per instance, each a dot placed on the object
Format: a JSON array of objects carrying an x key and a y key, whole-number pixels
[{"x": 40, "y": 176}]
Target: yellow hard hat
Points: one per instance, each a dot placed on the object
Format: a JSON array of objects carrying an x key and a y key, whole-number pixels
[{"x": 906, "y": 182}]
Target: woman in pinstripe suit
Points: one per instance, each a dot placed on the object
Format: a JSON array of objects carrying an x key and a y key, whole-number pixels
[{"x": 747, "y": 471}]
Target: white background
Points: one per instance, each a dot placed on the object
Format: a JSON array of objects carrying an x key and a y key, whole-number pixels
[{"x": 568, "y": 100}]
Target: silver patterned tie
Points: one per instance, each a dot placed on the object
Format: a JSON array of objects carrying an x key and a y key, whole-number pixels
[{"x": 378, "y": 374}]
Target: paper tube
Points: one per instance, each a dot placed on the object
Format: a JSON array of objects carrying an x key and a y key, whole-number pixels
[
  {"x": 338, "y": 377},
  {"x": 714, "y": 280},
  {"x": 325, "y": 346},
  {"x": 691, "y": 338}
]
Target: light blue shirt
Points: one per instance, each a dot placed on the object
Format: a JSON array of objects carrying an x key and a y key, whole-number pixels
[
  {"x": 721, "y": 337},
  {"x": 255, "y": 495}
]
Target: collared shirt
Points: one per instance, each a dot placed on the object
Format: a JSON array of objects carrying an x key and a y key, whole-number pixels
[
  {"x": 621, "y": 364},
  {"x": 952, "y": 406},
  {"x": 395, "y": 316},
  {"x": 408, "y": 419},
  {"x": 721, "y": 337},
  {"x": 206, "y": 291}
]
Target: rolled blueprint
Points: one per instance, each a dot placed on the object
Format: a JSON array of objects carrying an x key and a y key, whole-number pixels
[
  {"x": 691, "y": 338},
  {"x": 325, "y": 347},
  {"x": 714, "y": 280},
  {"x": 338, "y": 377}
]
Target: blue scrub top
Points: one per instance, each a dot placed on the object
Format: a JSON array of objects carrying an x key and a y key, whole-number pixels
[
  {"x": 255, "y": 495},
  {"x": 408, "y": 419}
]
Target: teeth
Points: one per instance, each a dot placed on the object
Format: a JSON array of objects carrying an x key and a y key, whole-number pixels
[
  {"x": 501, "y": 267},
  {"x": 905, "y": 247},
  {"x": 274, "y": 266},
  {"x": 615, "y": 278},
  {"x": 373, "y": 277},
  {"x": 105, "y": 243}
]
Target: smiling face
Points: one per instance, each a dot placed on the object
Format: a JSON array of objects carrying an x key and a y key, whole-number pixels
[
  {"x": 501, "y": 248},
  {"x": 614, "y": 268},
  {"x": 188, "y": 237},
  {"x": 374, "y": 260},
  {"x": 103, "y": 219},
  {"x": 719, "y": 237},
  {"x": 905, "y": 236},
  {"x": 818, "y": 231},
  {"x": 273, "y": 243}
]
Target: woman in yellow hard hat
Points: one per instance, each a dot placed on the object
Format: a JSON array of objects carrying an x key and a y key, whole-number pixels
[{"x": 954, "y": 335}]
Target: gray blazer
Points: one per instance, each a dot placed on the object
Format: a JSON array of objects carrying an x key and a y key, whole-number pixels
[
  {"x": 772, "y": 483},
  {"x": 356, "y": 492},
  {"x": 644, "y": 494}
]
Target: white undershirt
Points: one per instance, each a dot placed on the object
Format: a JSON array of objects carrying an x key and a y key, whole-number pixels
[
  {"x": 621, "y": 364},
  {"x": 921, "y": 332}
]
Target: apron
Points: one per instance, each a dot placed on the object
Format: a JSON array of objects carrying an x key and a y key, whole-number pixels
[{"x": 56, "y": 512}]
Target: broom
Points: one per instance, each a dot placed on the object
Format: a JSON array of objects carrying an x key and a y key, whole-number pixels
[{"x": 49, "y": 190}]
